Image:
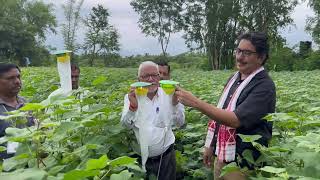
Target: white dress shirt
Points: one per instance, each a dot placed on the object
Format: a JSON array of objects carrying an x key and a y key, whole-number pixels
[{"x": 160, "y": 137}]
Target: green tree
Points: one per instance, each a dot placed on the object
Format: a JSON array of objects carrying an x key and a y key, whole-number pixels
[
  {"x": 215, "y": 24},
  {"x": 313, "y": 23},
  {"x": 267, "y": 16},
  {"x": 102, "y": 39},
  {"x": 194, "y": 26},
  {"x": 159, "y": 18},
  {"x": 23, "y": 25},
  {"x": 282, "y": 60},
  {"x": 313, "y": 61},
  {"x": 212, "y": 25},
  {"x": 72, "y": 14}
]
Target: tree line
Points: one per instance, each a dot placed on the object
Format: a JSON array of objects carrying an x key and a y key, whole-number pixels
[
  {"x": 209, "y": 28},
  {"x": 24, "y": 24}
]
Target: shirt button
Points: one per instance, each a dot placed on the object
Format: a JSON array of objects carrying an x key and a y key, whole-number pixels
[
  {"x": 238, "y": 83},
  {"x": 230, "y": 96}
]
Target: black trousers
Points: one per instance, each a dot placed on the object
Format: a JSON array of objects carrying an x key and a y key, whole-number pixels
[{"x": 168, "y": 166}]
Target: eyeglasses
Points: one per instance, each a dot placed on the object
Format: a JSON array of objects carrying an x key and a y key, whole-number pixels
[
  {"x": 153, "y": 76},
  {"x": 245, "y": 53}
]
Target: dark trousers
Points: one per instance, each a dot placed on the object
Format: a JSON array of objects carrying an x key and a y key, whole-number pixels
[{"x": 168, "y": 166}]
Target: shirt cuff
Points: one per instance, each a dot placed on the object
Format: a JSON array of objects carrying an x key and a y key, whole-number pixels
[
  {"x": 131, "y": 113},
  {"x": 178, "y": 107}
]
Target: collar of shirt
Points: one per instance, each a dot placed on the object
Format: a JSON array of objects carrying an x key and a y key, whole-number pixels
[
  {"x": 156, "y": 96},
  {"x": 155, "y": 104},
  {"x": 20, "y": 100}
]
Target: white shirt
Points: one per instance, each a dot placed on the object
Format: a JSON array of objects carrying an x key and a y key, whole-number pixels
[{"x": 159, "y": 140}]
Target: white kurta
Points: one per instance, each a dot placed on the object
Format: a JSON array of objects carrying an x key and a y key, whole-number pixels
[{"x": 155, "y": 110}]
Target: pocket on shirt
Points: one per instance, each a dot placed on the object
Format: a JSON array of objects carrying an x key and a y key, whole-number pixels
[{"x": 157, "y": 136}]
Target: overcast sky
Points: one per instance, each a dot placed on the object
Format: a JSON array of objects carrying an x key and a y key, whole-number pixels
[{"x": 134, "y": 42}]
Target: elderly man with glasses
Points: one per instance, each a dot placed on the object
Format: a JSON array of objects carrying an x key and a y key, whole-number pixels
[{"x": 161, "y": 161}]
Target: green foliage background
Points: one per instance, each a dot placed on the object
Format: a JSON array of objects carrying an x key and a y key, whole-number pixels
[{"x": 83, "y": 138}]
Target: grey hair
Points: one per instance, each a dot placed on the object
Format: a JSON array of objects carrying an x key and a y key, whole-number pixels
[{"x": 147, "y": 63}]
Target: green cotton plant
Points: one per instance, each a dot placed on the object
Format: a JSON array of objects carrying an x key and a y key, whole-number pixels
[
  {"x": 295, "y": 151},
  {"x": 284, "y": 157},
  {"x": 103, "y": 167},
  {"x": 69, "y": 132},
  {"x": 81, "y": 136},
  {"x": 99, "y": 168}
]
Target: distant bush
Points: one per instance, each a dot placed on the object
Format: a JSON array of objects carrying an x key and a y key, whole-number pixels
[{"x": 281, "y": 59}]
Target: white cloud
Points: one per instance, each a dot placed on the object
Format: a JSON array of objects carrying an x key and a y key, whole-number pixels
[{"x": 296, "y": 33}]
